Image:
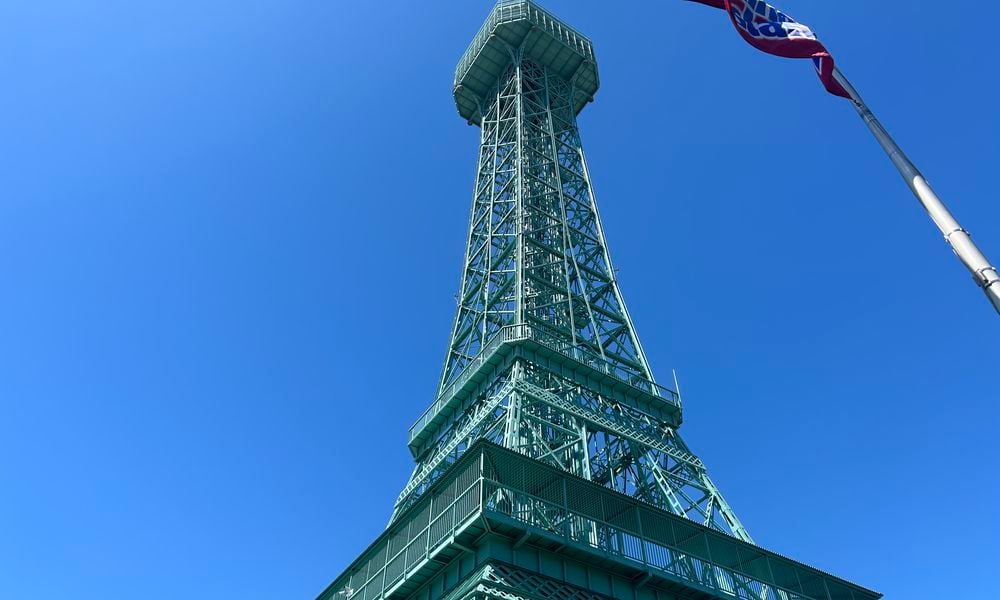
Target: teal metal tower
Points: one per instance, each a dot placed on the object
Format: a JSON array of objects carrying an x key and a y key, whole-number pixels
[{"x": 549, "y": 466}]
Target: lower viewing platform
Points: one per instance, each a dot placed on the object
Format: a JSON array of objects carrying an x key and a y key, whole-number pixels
[
  {"x": 638, "y": 392},
  {"x": 495, "y": 506}
]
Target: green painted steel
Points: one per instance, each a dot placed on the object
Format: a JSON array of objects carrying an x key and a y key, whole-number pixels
[
  {"x": 540, "y": 37},
  {"x": 492, "y": 491},
  {"x": 543, "y": 357},
  {"x": 549, "y": 464}
]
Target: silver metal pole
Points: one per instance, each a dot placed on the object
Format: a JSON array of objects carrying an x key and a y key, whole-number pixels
[{"x": 982, "y": 271}]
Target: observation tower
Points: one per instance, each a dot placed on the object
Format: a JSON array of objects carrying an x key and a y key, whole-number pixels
[{"x": 549, "y": 465}]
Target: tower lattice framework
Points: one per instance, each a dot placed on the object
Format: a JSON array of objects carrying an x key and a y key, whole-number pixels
[
  {"x": 549, "y": 465},
  {"x": 538, "y": 280}
]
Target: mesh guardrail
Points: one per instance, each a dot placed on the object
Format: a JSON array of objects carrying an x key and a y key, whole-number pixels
[
  {"x": 507, "y": 11},
  {"x": 492, "y": 483},
  {"x": 575, "y": 352}
]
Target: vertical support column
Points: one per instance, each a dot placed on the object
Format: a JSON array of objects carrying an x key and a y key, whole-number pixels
[
  {"x": 519, "y": 216},
  {"x": 569, "y": 251},
  {"x": 487, "y": 281},
  {"x": 611, "y": 271}
]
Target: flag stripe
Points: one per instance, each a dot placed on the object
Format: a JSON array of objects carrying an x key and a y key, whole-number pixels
[{"x": 772, "y": 31}]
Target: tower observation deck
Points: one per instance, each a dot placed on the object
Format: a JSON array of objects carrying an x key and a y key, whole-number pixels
[
  {"x": 549, "y": 465},
  {"x": 540, "y": 37}
]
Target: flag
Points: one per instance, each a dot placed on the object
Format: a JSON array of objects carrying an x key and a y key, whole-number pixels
[{"x": 770, "y": 30}]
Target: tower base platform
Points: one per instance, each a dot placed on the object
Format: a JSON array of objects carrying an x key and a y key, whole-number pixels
[{"x": 500, "y": 526}]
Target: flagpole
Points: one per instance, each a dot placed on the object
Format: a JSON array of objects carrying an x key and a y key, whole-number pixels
[{"x": 958, "y": 238}]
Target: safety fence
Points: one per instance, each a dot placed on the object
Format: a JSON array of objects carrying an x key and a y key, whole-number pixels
[
  {"x": 555, "y": 343},
  {"x": 492, "y": 484}
]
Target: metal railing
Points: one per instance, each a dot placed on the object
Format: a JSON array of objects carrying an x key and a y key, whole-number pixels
[
  {"x": 500, "y": 486},
  {"x": 504, "y": 336},
  {"x": 574, "y": 352},
  {"x": 615, "y": 541},
  {"x": 507, "y": 11},
  {"x": 545, "y": 499},
  {"x": 583, "y": 354},
  {"x": 414, "y": 540}
]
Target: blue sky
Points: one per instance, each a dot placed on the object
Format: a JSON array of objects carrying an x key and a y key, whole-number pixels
[{"x": 231, "y": 234}]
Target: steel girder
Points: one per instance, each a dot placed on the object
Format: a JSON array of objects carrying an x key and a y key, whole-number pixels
[
  {"x": 536, "y": 251},
  {"x": 505, "y": 582},
  {"x": 555, "y": 420},
  {"x": 537, "y": 258}
]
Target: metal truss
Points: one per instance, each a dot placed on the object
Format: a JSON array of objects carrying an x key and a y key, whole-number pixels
[
  {"x": 537, "y": 259},
  {"x": 503, "y": 582},
  {"x": 438, "y": 549},
  {"x": 536, "y": 251},
  {"x": 549, "y": 461},
  {"x": 560, "y": 422}
]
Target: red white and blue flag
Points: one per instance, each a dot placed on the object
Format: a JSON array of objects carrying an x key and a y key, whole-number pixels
[{"x": 770, "y": 30}]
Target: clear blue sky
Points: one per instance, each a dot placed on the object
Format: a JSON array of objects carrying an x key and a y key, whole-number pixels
[{"x": 231, "y": 234}]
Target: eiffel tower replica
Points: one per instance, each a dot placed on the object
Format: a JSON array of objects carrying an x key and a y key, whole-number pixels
[{"x": 549, "y": 466}]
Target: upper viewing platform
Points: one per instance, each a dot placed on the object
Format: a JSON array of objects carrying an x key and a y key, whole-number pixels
[{"x": 543, "y": 38}]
